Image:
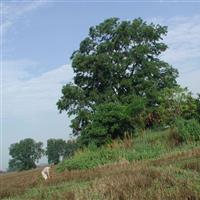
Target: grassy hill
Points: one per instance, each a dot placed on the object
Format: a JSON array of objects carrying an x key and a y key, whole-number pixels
[{"x": 150, "y": 166}]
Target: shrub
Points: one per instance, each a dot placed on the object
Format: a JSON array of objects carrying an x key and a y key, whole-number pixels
[
  {"x": 111, "y": 120},
  {"x": 186, "y": 130}
]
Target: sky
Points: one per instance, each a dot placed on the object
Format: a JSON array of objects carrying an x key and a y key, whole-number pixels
[{"x": 38, "y": 38}]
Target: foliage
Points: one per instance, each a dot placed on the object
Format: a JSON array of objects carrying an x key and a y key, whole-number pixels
[
  {"x": 55, "y": 149},
  {"x": 25, "y": 154},
  {"x": 58, "y": 149},
  {"x": 118, "y": 61},
  {"x": 112, "y": 120},
  {"x": 70, "y": 148},
  {"x": 187, "y": 130},
  {"x": 173, "y": 103}
]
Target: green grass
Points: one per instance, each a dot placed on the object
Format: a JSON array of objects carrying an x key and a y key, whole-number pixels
[
  {"x": 141, "y": 149},
  {"x": 149, "y": 145}
]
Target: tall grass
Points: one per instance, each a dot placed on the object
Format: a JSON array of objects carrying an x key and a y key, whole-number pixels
[
  {"x": 150, "y": 145},
  {"x": 186, "y": 130}
]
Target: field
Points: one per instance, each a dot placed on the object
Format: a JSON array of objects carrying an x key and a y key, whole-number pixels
[{"x": 165, "y": 171}]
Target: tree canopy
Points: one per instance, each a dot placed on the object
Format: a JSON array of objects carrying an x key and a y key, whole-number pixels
[
  {"x": 55, "y": 149},
  {"x": 117, "y": 62},
  {"x": 24, "y": 154},
  {"x": 58, "y": 149}
]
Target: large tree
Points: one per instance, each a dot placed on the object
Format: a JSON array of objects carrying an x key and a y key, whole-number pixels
[
  {"x": 25, "y": 154},
  {"x": 118, "y": 61}
]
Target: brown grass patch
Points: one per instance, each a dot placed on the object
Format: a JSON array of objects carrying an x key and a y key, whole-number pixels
[
  {"x": 194, "y": 165},
  {"x": 17, "y": 182},
  {"x": 168, "y": 159},
  {"x": 140, "y": 184}
]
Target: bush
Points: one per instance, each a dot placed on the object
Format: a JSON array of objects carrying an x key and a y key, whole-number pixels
[
  {"x": 186, "y": 130},
  {"x": 111, "y": 120}
]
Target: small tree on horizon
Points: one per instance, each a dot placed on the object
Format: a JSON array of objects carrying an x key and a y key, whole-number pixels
[
  {"x": 59, "y": 148},
  {"x": 25, "y": 154},
  {"x": 55, "y": 150}
]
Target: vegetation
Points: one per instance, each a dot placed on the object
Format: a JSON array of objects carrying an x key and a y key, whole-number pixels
[
  {"x": 111, "y": 120},
  {"x": 71, "y": 147},
  {"x": 25, "y": 154},
  {"x": 121, "y": 84},
  {"x": 115, "y": 64},
  {"x": 169, "y": 172},
  {"x": 58, "y": 148},
  {"x": 55, "y": 150},
  {"x": 122, "y": 92},
  {"x": 186, "y": 130}
]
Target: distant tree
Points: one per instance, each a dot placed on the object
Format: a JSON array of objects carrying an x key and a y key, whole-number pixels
[
  {"x": 55, "y": 150},
  {"x": 116, "y": 62},
  {"x": 24, "y": 154},
  {"x": 70, "y": 148},
  {"x": 58, "y": 148}
]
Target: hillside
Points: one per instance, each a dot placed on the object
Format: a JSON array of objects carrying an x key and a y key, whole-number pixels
[{"x": 150, "y": 166}]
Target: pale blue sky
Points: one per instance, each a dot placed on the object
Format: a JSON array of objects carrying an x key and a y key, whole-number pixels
[{"x": 38, "y": 38}]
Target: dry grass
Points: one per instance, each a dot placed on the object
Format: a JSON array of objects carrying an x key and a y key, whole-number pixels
[
  {"x": 141, "y": 183},
  {"x": 173, "y": 176},
  {"x": 194, "y": 165},
  {"x": 17, "y": 182},
  {"x": 176, "y": 156},
  {"x": 122, "y": 181},
  {"x": 174, "y": 138}
]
